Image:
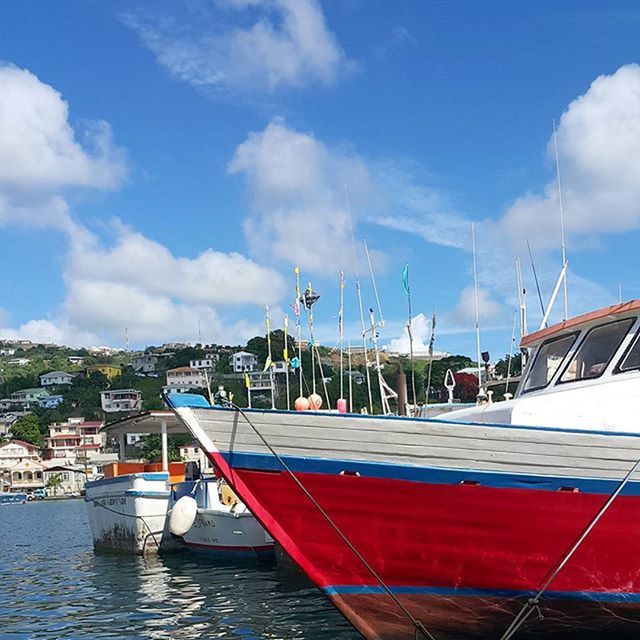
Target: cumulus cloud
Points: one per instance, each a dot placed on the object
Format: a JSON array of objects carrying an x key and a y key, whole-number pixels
[
  {"x": 286, "y": 44},
  {"x": 132, "y": 281},
  {"x": 421, "y": 333},
  {"x": 38, "y": 147},
  {"x": 490, "y": 310},
  {"x": 296, "y": 187}
]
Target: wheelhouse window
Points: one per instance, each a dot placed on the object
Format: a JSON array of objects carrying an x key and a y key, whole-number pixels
[
  {"x": 548, "y": 360},
  {"x": 596, "y": 351},
  {"x": 631, "y": 359}
]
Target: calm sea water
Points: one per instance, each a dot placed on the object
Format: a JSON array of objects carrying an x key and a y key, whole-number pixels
[{"x": 53, "y": 586}]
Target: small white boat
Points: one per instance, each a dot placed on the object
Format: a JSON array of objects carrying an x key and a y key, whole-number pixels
[
  {"x": 128, "y": 507},
  {"x": 223, "y": 525}
]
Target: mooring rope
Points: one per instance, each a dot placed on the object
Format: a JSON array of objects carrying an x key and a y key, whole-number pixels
[
  {"x": 533, "y": 603},
  {"x": 420, "y": 628},
  {"x": 129, "y": 515}
]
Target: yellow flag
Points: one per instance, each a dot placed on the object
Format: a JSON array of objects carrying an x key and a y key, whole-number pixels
[{"x": 247, "y": 382}]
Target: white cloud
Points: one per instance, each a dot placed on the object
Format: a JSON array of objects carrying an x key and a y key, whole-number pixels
[
  {"x": 38, "y": 147},
  {"x": 132, "y": 282},
  {"x": 421, "y": 333},
  {"x": 490, "y": 310},
  {"x": 287, "y": 44},
  {"x": 296, "y": 186}
]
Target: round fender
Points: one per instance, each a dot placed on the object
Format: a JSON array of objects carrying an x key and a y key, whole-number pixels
[{"x": 182, "y": 516}]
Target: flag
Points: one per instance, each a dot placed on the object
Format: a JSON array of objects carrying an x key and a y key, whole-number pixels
[
  {"x": 295, "y": 362},
  {"x": 247, "y": 382},
  {"x": 268, "y": 363},
  {"x": 405, "y": 278},
  {"x": 296, "y": 308},
  {"x": 285, "y": 349}
]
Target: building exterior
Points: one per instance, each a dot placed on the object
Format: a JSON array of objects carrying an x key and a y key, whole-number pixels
[
  {"x": 27, "y": 475},
  {"x": 357, "y": 376},
  {"x": 111, "y": 371},
  {"x": 76, "y": 359},
  {"x": 7, "y": 352},
  {"x": 20, "y": 362},
  {"x": 72, "y": 479},
  {"x": 121, "y": 400},
  {"x": 15, "y": 451},
  {"x": 56, "y": 378},
  {"x": 280, "y": 367},
  {"x": 243, "y": 362},
  {"x": 191, "y": 452},
  {"x": 148, "y": 362},
  {"x": 73, "y": 442},
  {"x": 208, "y": 363},
  {"x": 29, "y": 397},
  {"x": 181, "y": 379},
  {"x": 50, "y": 402}
]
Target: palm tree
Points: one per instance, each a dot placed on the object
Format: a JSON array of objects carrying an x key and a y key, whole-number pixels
[{"x": 54, "y": 482}]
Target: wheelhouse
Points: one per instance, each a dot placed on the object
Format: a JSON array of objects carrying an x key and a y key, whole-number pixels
[{"x": 593, "y": 348}]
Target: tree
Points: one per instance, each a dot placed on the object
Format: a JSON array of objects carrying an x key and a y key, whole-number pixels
[
  {"x": 27, "y": 429},
  {"x": 466, "y": 387},
  {"x": 502, "y": 366},
  {"x": 54, "y": 482},
  {"x": 152, "y": 448}
]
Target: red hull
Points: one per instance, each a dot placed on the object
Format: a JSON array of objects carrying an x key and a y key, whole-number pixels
[{"x": 463, "y": 558}]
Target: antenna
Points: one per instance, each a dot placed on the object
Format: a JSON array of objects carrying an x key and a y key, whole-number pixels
[
  {"x": 126, "y": 339},
  {"x": 406, "y": 285},
  {"x": 199, "y": 333},
  {"x": 564, "y": 249},
  {"x": 359, "y": 294},
  {"x": 340, "y": 333},
  {"x": 477, "y": 312},
  {"x": 269, "y": 363},
  {"x": 373, "y": 282},
  {"x": 522, "y": 302},
  {"x": 507, "y": 395},
  {"x": 535, "y": 275}
]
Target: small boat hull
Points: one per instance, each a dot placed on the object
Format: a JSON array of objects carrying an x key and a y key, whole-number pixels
[
  {"x": 128, "y": 513},
  {"x": 13, "y": 498}
]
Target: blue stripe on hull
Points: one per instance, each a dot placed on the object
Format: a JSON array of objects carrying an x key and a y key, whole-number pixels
[
  {"x": 487, "y": 593},
  {"x": 430, "y": 475}
]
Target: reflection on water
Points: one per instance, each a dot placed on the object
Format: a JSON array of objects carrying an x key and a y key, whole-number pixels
[{"x": 53, "y": 586}]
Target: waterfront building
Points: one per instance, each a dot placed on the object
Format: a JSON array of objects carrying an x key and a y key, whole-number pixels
[
  {"x": 243, "y": 362},
  {"x": 74, "y": 442},
  {"x": 26, "y": 475},
  {"x": 72, "y": 479},
  {"x": 15, "y": 451},
  {"x": 115, "y": 400},
  {"x": 56, "y": 378},
  {"x": 191, "y": 452},
  {"x": 182, "y": 379},
  {"x": 111, "y": 371}
]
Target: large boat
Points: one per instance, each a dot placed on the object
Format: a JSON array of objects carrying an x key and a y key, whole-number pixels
[{"x": 517, "y": 518}]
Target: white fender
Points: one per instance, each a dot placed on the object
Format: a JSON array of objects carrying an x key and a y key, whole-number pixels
[{"x": 182, "y": 516}]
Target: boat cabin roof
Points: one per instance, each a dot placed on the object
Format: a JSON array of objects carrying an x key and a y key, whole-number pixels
[
  {"x": 145, "y": 422},
  {"x": 576, "y": 322}
]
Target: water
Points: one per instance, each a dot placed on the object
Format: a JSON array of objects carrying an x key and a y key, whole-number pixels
[{"x": 53, "y": 586}]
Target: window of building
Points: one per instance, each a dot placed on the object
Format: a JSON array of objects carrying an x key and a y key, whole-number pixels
[
  {"x": 596, "y": 351},
  {"x": 547, "y": 361}
]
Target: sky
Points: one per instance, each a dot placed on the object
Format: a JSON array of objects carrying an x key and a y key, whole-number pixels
[{"x": 164, "y": 166}]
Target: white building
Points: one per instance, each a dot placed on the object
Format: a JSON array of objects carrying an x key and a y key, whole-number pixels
[
  {"x": 76, "y": 359},
  {"x": 205, "y": 364},
  {"x": 72, "y": 479},
  {"x": 7, "y": 352},
  {"x": 121, "y": 400},
  {"x": 191, "y": 452},
  {"x": 243, "y": 362},
  {"x": 73, "y": 442},
  {"x": 26, "y": 475},
  {"x": 20, "y": 362},
  {"x": 182, "y": 379},
  {"x": 146, "y": 363},
  {"x": 15, "y": 451},
  {"x": 55, "y": 378}
]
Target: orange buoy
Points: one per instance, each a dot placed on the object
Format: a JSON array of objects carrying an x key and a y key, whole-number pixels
[
  {"x": 301, "y": 404},
  {"x": 315, "y": 401}
]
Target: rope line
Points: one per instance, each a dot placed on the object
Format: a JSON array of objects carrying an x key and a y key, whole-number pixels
[
  {"x": 129, "y": 515},
  {"x": 420, "y": 628},
  {"x": 533, "y": 603}
]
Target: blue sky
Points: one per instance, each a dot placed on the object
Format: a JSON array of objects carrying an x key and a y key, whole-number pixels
[{"x": 167, "y": 163}]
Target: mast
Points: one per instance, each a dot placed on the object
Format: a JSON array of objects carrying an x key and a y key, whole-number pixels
[
  {"x": 350, "y": 377},
  {"x": 521, "y": 300},
  {"x": 359, "y": 294},
  {"x": 477, "y": 311},
  {"x": 269, "y": 363},
  {"x": 285, "y": 355},
  {"x": 406, "y": 285},
  {"x": 563, "y": 246},
  {"x": 296, "y": 310},
  {"x": 340, "y": 333}
]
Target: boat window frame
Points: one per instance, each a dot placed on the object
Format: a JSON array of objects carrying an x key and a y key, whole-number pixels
[
  {"x": 575, "y": 334},
  {"x": 634, "y": 341},
  {"x": 560, "y": 381}
]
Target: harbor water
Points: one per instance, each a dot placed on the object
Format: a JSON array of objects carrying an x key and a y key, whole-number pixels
[{"x": 53, "y": 586}]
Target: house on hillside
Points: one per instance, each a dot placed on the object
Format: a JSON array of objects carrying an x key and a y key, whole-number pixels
[
  {"x": 191, "y": 452},
  {"x": 182, "y": 379},
  {"x": 243, "y": 362},
  {"x": 73, "y": 442},
  {"x": 56, "y": 378},
  {"x": 28, "y": 397},
  {"x": 149, "y": 362},
  {"x": 7, "y": 352},
  {"x": 50, "y": 402},
  {"x": 76, "y": 359},
  {"x": 19, "y": 362},
  {"x": 15, "y": 451},
  {"x": 357, "y": 376},
  {"x": 208, "y": 363},
  {"x": 114, "y": 400},
  {"x": 111, "y": 371}
]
